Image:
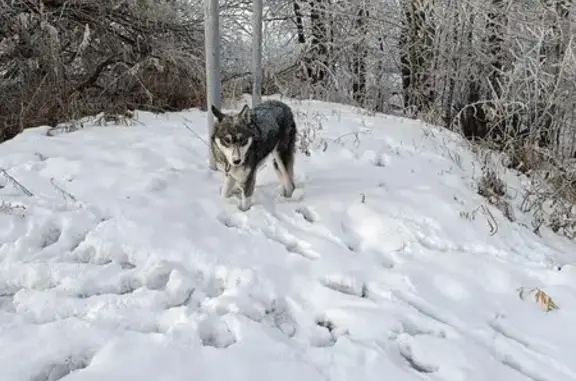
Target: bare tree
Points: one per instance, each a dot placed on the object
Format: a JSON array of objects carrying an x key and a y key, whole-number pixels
[
  {"x": 360, "y": 55},
  {"x": 417, "y": 54}
]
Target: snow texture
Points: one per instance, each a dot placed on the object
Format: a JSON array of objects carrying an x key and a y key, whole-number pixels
[{"x": 125, "y": 263}]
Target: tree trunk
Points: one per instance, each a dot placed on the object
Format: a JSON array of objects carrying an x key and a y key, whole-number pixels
[
  {"x": 473, "y": 119},
  {"x": 453, "y": 71},
  {"x": 359, "y": 60},
  {"x": 299, "y": 23},
  {"x": 551, "y": 57},
  {"x": 317, "y": 64},
  {"x": 416, "y": 55}
]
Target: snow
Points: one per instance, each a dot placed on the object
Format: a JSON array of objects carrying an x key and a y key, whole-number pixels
[{"x": 125, "y": 263}]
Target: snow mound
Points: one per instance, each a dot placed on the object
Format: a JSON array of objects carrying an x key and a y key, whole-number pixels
[{"x": 119, "y": 260}]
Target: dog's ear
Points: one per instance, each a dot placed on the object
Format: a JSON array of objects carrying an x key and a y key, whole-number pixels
[
  {"x": 217, "y": 113},
  {"x": 245, "y": 113}
]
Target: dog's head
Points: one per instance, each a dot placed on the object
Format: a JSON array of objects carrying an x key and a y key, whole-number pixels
[{"x": 234, "y": 134}]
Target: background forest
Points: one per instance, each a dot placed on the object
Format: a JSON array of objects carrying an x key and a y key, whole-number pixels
[{"x": 501, "y": 72}]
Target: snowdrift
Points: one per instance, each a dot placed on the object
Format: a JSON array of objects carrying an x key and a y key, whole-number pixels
[{"x": 119, "y": 260}]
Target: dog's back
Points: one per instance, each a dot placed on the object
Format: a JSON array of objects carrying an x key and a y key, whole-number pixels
[{"x": 276, "y": 125}]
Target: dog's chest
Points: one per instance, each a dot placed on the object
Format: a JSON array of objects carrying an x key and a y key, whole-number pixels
[{"x": 240, "y": 173}]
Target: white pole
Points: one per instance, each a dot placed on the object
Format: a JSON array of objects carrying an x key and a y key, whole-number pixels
[
  {"x": 256, "y": 52},
  {"x": 212, "y": 52}
]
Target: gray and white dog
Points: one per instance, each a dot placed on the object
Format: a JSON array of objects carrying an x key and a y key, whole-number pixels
[{"x": 241, "y": 143}]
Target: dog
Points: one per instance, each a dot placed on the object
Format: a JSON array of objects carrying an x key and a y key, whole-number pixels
[{"x": 241, "y": 144}]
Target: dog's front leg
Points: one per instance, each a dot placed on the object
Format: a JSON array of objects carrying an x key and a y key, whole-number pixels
[
  {"x": 247, "y": 192},
  {"x": 228, "y": 187}
]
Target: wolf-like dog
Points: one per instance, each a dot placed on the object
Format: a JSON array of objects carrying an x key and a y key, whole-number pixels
[{"x": 241, "y": 143}]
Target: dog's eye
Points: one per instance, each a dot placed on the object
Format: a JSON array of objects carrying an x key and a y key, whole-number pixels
[{"x": 226, "y": 140}]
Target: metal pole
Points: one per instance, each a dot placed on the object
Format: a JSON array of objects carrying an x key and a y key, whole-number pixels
[
  {"x": 256, "y": 52},
  {"x": 212, "y": 52}
]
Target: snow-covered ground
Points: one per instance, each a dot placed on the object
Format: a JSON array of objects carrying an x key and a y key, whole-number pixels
[{"x": 125, "y": 264}]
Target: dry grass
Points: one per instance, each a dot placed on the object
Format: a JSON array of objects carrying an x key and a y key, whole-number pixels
[
  {"x": 538, "y": 296},
  {"x": 549, "y": 195},
  {"x": 308, "y": 126},
  {"x": 493, "y": 189}
]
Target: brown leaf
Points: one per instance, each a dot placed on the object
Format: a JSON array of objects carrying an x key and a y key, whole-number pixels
[{"x": 539, "y": 296}]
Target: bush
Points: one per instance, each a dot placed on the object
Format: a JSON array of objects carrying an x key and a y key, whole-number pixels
[{"x": 62, "y": 60}]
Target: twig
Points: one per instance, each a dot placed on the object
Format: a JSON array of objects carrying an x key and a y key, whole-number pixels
[
  {"x": 195, "y": 134},
  {"x": 491, "y": 220},
  {"x": 8, "y": 208},
  {"x": 14, "y": 182},
  {"x": 65, "y": 194}
]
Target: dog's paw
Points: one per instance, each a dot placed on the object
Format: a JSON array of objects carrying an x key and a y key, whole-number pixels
[
  {"x": 224, "y": 193},
  {"x": 288, "y": 190},
  {"x": 230, "y": 192}
]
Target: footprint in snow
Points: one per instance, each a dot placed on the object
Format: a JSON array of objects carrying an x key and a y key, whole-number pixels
[
  {"x": 214, "y": 332},
  {"x": 346, "y": 285},
  {"x": 179, "y": 288},
  {"x": 233, "y": 220},
  {"x": 363, "y": 228},
  {"x": 7, "y": 302},
  {"x": 308, "y": 214},
  {"x": 322, "y": 337},
  {"x": 386, "y": 261},
  {"x": 156, "y": 275},
  {"x": 43, "y": 235},
  {"x": 94, "y": 251},
  {"x": 425, "y": 310},
  {"x": 59, "y": 370},
  {"x": 122, "y": 286},
  {"x": 50, "y": 235},
  {"x": 127, "y": 265},
  {"x": 155, "y": 184},
  {"x": 325, "y": 333},
  {"x": 404, "y": 338},
  {"x": 282, "y": 236},
  {"x": 413, "y": 329},
  {"x": 282, "y": 317},
  {"x": 415, "y": 363},
  {"x": 74, "y": 243},
  {"x": 291, "y": 243}
]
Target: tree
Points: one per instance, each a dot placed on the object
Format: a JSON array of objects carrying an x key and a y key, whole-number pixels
[
  {"x": 417, "y": 54},
  {"x": 360, "y": 55}
]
